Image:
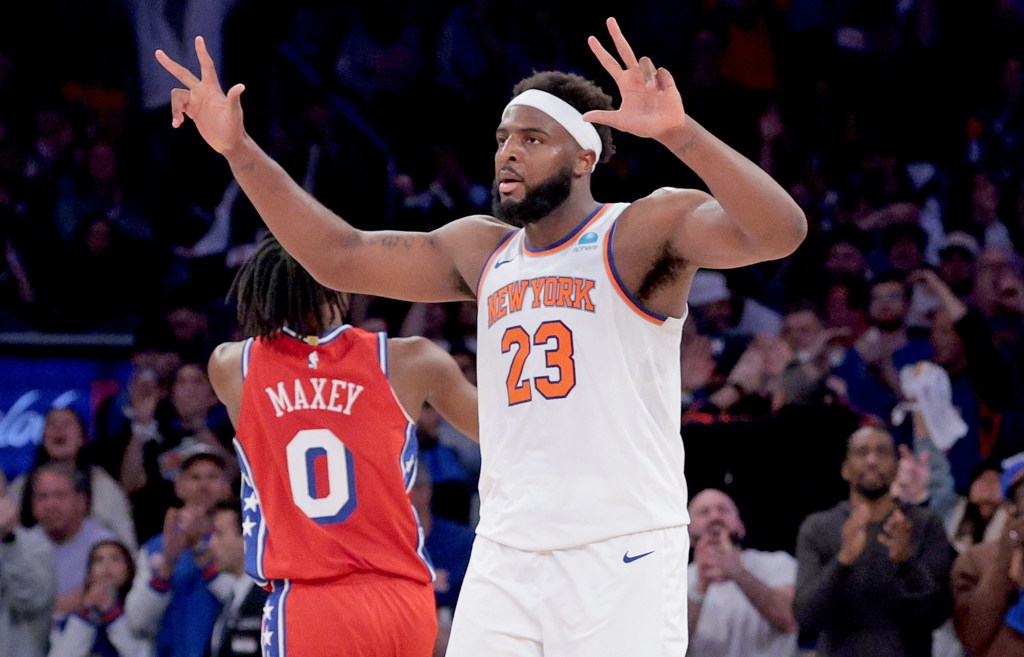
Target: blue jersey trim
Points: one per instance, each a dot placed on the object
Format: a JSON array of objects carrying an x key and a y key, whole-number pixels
[
  {"x": 573, "y": 233},
  {"x": 622, "y": 286}
]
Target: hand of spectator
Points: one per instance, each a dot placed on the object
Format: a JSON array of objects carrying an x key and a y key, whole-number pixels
[
  {"x": 935, "y": 286},
  {"x": 174, "y": 543},
  {"x": 696, "y": 362},
  {"x": 709, "y": 570},
  {"x": 99, "y": 596},
  {"x": 725, "y": 555},
  {"x": 912, "y": 477},
  {"x": 194, "y": 524},
  {"x": 869, "y": 346},
  {"x": 8, "y": 514},
  {"x": 218, "y": 116},
  {"x": 777, "y": 355},
  {"x": 67, "y": 602},
  {"x": 854, "y": 535},
  {"x": 895, "y": 536},
  {"x": 143, "y": 396},
  {"x": 749, "y": 371},
  {"x": 820, "y": 350}
]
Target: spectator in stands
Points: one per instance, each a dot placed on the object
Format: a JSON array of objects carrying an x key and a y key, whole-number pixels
[
  {"x": 754, "y": 460},
  {"x": 988, "y": 577},
  {"x": 237, "y": 631},
  {"x": 957, "y": 257},
  {"x": 720, "y": 312},
  {"x": 154, "y": 443},
  {"x": 740, "y": 599},
  {"x": 986, "y": 223},
  {"x": 871, "y": 368},
  {"x": 60, "y": 504},
  {"x": 905, "y": 244},
  {"x": 177, "y": 594},
  {"x": 872, "y": 575},
  {"x": 846, "y": 252},
  {"x": 98, "y": 626},
  {"x": 981, "y": 515},
  {"x": 981, "y": 382},
  {"x": 65, "y": 441},
  {"x": 28, "y": 584}
]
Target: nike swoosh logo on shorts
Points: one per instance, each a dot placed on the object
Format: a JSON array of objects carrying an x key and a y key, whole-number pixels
[{"x": 628, "y": 559}]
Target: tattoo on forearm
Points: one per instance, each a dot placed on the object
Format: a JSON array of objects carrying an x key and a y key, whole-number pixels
[
  {"x": 406, "y": 242},
  {"x": 248, "y": 166},
  {"x": 687, "y": 147}
]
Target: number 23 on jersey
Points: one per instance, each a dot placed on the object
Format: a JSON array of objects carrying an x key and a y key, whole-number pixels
[{"x": 552, "y": 341}]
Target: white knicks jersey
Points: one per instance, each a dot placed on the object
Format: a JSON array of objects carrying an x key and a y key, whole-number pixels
[{"x": 579, "y": 397}]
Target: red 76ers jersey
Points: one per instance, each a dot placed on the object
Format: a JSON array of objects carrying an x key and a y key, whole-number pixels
[{"x": 328, "y": 457}]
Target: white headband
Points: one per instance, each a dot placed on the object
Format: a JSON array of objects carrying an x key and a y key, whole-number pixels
[{"x": 565, "y": 114}]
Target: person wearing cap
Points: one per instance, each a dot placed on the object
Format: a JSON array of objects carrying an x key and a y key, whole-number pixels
[
  {"x": 580, "y": 311},
  {"x": 988, "y": 578},
  {"x": 957, "y": 255},
  {"x": 177, "y": 592},
  {"x": 720, "y": 312}
]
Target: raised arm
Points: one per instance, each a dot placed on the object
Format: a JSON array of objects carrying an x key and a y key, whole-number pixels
[
  {"x": 439, "y": 266},
  {"x": 747, "y": 218}
]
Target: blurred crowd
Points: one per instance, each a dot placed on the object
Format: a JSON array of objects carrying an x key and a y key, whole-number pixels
[{"x": 898, "y": 126}]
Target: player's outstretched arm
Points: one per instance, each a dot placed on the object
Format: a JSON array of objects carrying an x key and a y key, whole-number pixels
[
  {"x": 438, "y": 266},
  {"x": 421, "y": 371},
  {"x": 747, "y": 218}
]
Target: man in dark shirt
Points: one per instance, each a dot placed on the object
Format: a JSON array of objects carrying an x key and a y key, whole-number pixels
[{"x": 872, "y": 574}]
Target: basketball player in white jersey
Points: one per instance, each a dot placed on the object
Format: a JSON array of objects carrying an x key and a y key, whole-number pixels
[{"x": 581, "y": 550}]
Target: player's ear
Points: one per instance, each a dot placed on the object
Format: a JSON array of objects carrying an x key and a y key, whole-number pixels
[{"x": 586, "y": 160}]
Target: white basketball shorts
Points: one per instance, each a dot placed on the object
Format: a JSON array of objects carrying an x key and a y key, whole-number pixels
[{"x": 623, "y": 597}]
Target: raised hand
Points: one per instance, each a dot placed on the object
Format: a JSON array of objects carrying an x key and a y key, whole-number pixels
[
  {"x": 651, "y": 104},
  {"x": 99, "y": 596},
  {"x": 855, "y": 535},
  {"x": 697, "y": 363},
  {"x": 895, "y": 536},
  {"x": 217, "y": 115},
  {"x": 912, "y": 476}
]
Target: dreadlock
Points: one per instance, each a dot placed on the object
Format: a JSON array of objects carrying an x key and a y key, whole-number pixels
[{"x": 273, "y": 290}]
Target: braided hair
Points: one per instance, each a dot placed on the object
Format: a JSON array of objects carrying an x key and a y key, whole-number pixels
[{"x": 273, "y": 290}]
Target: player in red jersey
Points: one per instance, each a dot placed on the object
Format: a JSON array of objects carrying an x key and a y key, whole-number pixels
[{"x": 324, "y": 414}]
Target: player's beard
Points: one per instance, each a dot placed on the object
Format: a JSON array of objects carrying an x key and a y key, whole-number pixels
[{"x": 538, "y": 202}]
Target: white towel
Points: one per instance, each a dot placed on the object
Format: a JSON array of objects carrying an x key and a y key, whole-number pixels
[{"x": 928, "y": 390}]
